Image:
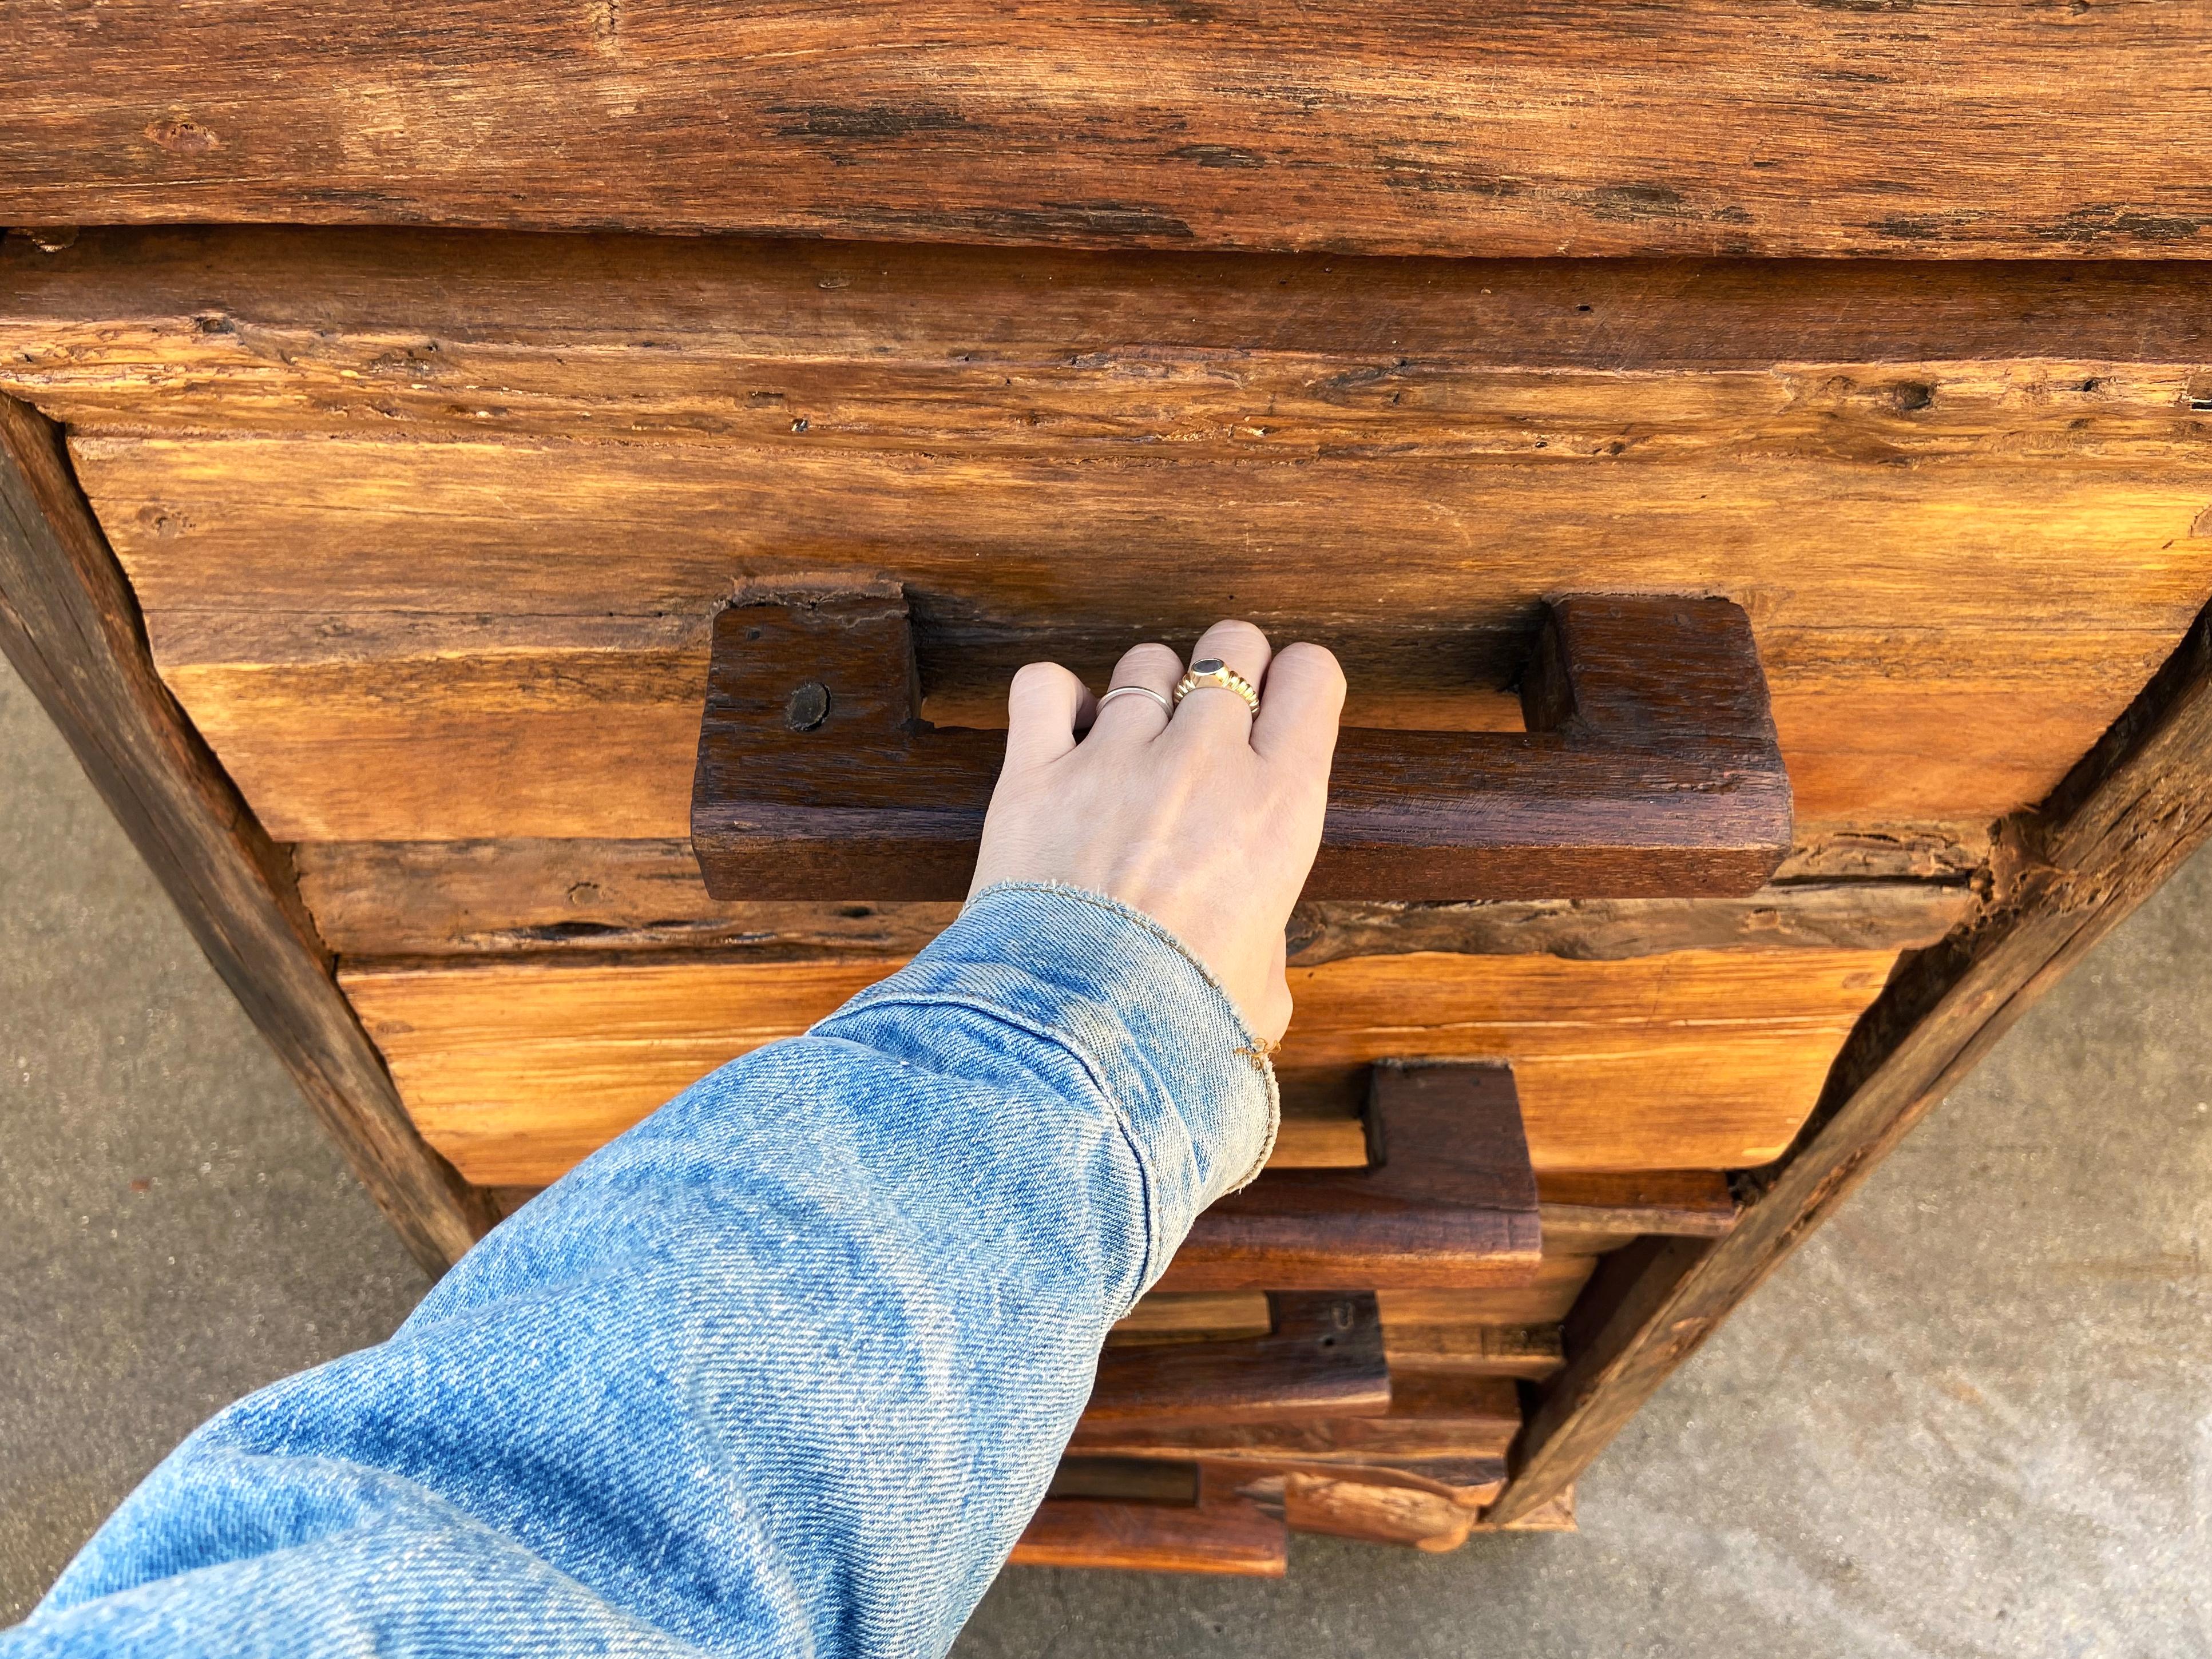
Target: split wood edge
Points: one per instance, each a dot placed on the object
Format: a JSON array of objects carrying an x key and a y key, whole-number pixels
[{"x": 71, "y": 625}]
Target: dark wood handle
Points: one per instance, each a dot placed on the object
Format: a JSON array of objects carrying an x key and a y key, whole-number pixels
[
  {"x": 1323, "y": 1358},
  {"x": 1448, "y": 1199},
  {"x": 1648, "y": 767},
  {"x": 1173, "y": 1517}
]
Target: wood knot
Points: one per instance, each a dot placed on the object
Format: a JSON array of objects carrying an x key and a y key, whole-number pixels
[{"x": 182, "y": 137}]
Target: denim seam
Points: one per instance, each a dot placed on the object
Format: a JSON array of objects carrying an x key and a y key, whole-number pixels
[
  {"x": 1147, "y": 1182},
  {"x": 1253, "y": 1046}
]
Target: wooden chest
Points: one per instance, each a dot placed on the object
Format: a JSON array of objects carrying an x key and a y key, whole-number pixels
[{"x": 394, "y": 399}]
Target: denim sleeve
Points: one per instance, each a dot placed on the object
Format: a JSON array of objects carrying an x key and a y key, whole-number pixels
[{"x": 782, "y": 1370}]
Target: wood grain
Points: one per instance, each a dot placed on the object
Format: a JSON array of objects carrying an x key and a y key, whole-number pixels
[
  {"x": 1219, "y": 1532},
  {"x": 531, "y": 468},
  {"x": 1445, "y": 1416},
  {"x": 1532, "y": 1351},
  {"x": 1321, "y": 1356},
  {"x": 446, "y": 334},
  {"x": 1519, "y": 129},
  {"x": 1375, "y": 1514},
  {"x": 414, "y": 899},
  {"x": 2123, "y": 819},
  {"x": 1951, "y": 677},
  {"x": 69, "y": 625},
  {"x": 1695, "y": 1060},
  {"x": 1446, "y": 1199},
  {"x": 1648, "y": 766}
]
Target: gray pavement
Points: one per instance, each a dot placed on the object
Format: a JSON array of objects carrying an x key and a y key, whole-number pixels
[{"x": 1973, "y": 1417}]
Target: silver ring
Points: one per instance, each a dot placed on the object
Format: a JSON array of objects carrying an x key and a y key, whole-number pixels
[{"x": 1166, "y": 708}]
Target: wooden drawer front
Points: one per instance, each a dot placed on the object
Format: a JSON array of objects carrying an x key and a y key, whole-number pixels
[
  {"x": 472, "y": 500},
  {"x": 1692, "y": 1059}
]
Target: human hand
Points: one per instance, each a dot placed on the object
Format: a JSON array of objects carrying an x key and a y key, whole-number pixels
[{"x": 1207, "y": 822}]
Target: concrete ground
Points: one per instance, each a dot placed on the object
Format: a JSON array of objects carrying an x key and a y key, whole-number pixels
[{"x": 1974, "y": 1416}]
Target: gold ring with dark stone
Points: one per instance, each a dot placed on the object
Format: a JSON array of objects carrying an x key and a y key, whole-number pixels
[{"x": 1213, "y": 671}]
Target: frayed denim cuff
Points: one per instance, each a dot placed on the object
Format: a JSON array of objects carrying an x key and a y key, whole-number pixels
[{"x": 1166, "y": 1046}]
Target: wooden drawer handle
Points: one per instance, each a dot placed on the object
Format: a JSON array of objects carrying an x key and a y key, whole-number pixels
[
  {"x": 1448, "y": 1201},
  {"x": 1649, "y": 769},
  {"x": 1164, "y": 1518},
  {"x": 1323, "y": 1358}
]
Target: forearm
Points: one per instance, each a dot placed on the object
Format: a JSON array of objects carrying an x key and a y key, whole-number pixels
[{"x": 783, "y": 1369}]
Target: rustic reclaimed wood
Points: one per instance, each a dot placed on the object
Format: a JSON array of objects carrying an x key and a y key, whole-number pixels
[
  {"x": 1688, "y": 1203},
  {"x": 1648, "y": 766},
  {"x": 2137, "y": 805},
  {"x": 1322, "y": 1356},
  {"x": 1532, "y": 1352},
  {"x": 414, "y": 899},
  {"x": 1446, "y": 1199},
  {"x": 1215, "y": 1530},
  {"x": 68, "y": 625},
  {"x": 1437, "y": 1421},
  {"x": 516, "y": 1068},
  {"x": 1376, "y": 1514},
  {"x": 1522, "y": 128},
  {"x": 532, "y": 467}
]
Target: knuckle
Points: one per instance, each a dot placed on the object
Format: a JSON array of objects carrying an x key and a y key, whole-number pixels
[
  {"x": 1152, "y": 651},
  {"x": 1317, "y": 660}
]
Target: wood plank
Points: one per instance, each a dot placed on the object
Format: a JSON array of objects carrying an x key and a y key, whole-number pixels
[
  {"x": 2123, "y": 819},
  {"x": 1322, "y": 1356},
  {"x": 1433, "y": 1416},
  {"x": 1559, "y": 1280},
  {"x": 1688, "y": 1203},
  {"x": 1201, "y": 1317},
  {"x": 1427, "y": 127},
  {"x": 485, "y": 898},
  {"x": 1948, "y": 671},
  {"x": 1990, "y": 446},
  {"x": 69, "y": 625},
  {"x": 1532, "y": 1351},
  {"x": 938, "y": 349},
  {"x": 1444, "y": 1197},
  {"x": 1695, "y": 1060},
  {"x": 209, "y": 524},
  {"x": 1220, "y": 1532}
]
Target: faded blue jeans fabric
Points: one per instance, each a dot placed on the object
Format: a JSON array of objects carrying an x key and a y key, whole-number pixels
[{"x": 783, "y": 1371}]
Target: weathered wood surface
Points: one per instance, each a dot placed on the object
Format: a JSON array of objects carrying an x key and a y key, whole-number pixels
[
  {"x": 1648, "y": 768},
  {"x": 1445, "y": 1417},
  {"x": 1532, "y": 1352},
  {"x": 1375, "y": 1514},
  {"x": 1975, "y": 128},
  {"x": 1446, "y": 1199},
  {"x": 1475, "y": 1347},
  {"x": 1414, "y": 1322},
  {"x": 69, "y": 625},
  {"x": 1216, "y": 1531},
  {"x": 1322, "y": 1356},
  {"x": 1696, "y": 1060},
  {"x": 415, "y": 899},
  {"x": 1963, "y": 505},
  {"x": 2123, "y": 819}
]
